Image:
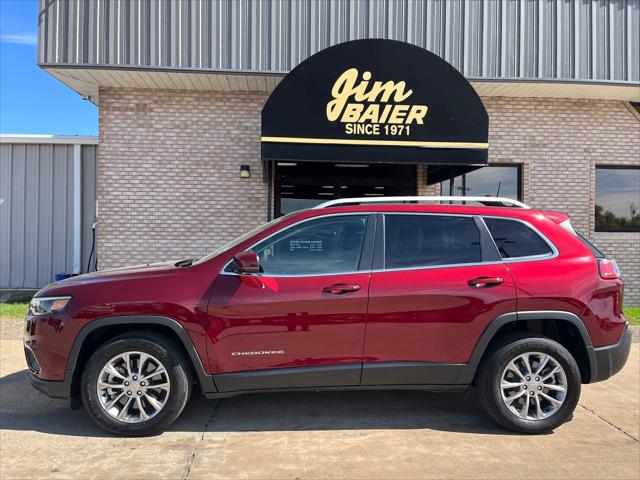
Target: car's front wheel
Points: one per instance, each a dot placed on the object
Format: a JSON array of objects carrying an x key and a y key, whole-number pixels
[
  {"x": 529, "y": 384},
  {"x": 136, "y": 384}
]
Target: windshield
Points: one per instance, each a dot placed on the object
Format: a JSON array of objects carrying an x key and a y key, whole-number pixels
[{"x": 243, "y": 238}]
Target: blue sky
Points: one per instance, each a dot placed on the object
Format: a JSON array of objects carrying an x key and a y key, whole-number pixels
[{"x": 31, "y": 100}]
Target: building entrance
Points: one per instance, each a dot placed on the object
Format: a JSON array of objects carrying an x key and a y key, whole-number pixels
[{"x": 300, "y": 185}]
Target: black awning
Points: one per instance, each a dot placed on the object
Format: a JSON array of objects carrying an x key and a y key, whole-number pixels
[{"x": 375, "y": 101}]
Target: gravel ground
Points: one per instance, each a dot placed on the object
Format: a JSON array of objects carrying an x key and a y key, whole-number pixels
[
  {"x": 635, "y": 331},
  {"x": 11, "y": 328},
  {"x": 320, "y": 436}
]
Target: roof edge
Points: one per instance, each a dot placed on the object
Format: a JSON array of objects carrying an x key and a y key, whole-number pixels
[
  {"x": 88, "y": 81},
  {"x": 49, "y": 139},
  {"x": 282, "y": 74}
]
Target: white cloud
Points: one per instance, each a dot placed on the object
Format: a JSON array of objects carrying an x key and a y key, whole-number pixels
[{"x": 21, "y": 38}]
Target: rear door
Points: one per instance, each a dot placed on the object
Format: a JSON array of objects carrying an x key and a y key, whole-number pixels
[
  {"x": 538, "y": 274},
  {"x": 437, "y": 283}
]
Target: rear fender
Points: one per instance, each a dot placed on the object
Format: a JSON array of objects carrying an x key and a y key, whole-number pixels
[{"x": 468, "y": 371}]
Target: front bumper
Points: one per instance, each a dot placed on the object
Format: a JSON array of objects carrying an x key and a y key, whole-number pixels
[
  {"x": 53, "y": 389},
  {"x": 609, "y": 360},
  {"x": 46, "y": 343}
]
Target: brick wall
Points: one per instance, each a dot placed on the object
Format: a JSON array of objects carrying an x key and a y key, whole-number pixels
[
  {"x": 169, "y": 173},
  {"x": 170, "y": 163},
  {"x": 559, "y": 142}
]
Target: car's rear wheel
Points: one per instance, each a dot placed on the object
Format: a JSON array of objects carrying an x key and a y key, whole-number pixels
[
  {"x": 136, "y": 384},
  {"x": 529, "y": 384}
]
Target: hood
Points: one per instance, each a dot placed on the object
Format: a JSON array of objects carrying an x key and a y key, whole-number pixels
[
  {"x": 142, "y": 267},
  {"x": 142, "y": 270}
]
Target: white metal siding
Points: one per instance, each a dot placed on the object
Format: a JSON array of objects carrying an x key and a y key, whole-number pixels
[
  {"x": 588, "y": 40},
  {"x": 36, "y": 211}
]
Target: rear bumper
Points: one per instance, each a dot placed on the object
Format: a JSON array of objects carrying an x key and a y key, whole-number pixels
[
  {"x": 609, "y": 360},
  {"x": 53, "y": 389}
]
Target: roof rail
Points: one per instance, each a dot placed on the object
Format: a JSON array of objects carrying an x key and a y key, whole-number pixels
[{"x": 483, "y": 200}]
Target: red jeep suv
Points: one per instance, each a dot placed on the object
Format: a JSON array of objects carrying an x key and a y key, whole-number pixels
[{"x": 353, "y": 294}]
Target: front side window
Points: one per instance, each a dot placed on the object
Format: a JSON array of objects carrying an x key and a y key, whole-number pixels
[
  {"x": 515, "y": 239},
  {"x": 430, "y": 240},
  {"x": 617, "y": 199},
  {"x": 315, "y": 247}
]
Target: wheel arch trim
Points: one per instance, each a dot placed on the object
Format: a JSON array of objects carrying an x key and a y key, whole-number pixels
[
  {"x": 205, "y": 380},
  {"x": 468, "y": 371}
]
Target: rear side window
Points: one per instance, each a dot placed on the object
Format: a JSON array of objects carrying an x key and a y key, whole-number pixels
[
  {"x": 430, "y": 240},
  {"x": 515, "y": 239}
]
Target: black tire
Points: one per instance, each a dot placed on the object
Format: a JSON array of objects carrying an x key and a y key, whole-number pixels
[
  {"x": 490, "y": 375},
  {"x": 178, "y": 370}
]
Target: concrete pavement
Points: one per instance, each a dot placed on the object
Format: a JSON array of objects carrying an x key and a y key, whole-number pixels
[{"x": 320, "y": 435}]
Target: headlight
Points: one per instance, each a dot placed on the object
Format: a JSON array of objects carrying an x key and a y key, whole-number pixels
[{"x": 46, "y": 305}]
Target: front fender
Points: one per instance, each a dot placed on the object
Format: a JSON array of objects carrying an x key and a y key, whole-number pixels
[{"x": 205, "y": 380}]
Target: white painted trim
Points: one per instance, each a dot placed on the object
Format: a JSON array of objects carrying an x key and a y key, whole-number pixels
[
  {"x": 87, "y": 80},
  {"x": 547, "y": 89},
  {"x": 77, "y": 208},
  {"x": 49, "y": 139}
]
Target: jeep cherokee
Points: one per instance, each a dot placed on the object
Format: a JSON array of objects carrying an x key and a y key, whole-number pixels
[{"x": 352, "y": 294}]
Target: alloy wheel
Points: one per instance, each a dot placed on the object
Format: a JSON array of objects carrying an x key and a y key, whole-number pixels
[
  {"x": 133, "y": 387},
  {"x": 533, "y": 386}
]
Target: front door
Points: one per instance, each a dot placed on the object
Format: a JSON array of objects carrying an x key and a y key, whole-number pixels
[
  {"x": 300, "y": 322},
  {"x": 431, "y": 299}
]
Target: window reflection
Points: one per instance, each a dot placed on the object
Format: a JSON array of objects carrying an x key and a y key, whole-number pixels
[
  {"x": 617, "y": 199},
  {"x": 492, "y": 181}
]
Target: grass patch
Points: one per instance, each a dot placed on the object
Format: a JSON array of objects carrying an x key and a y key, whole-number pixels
[
  {"x": 13, "y": 310},
  {"x": 633, "y": 315}
]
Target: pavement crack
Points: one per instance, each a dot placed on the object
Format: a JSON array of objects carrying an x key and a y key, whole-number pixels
[
  {"x": 610, "y": 423},
  {"x": 192, "y": 457}
]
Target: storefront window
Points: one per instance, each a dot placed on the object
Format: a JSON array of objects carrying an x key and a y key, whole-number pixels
[
  {"x": 492, "y": 181},
  {"x": 617, "y": 199}
]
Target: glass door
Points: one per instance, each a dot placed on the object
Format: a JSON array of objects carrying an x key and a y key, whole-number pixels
[{"x": 300, "y": 185}]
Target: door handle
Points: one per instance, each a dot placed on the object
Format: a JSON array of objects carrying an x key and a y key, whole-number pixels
[
  {"x": 485, "y": 282},
  {"x": 341, "y": 288}
]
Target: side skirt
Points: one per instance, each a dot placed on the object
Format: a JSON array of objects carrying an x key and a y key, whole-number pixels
[
  {"x": 422, "y": 375},
  {"x": 293, "y": 377},
  {"x": 409, "y": 373},
  {"x": 426, "y": 388}
]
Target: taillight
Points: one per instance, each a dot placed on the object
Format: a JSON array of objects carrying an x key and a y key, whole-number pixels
[{"x": 608, "y": 269}]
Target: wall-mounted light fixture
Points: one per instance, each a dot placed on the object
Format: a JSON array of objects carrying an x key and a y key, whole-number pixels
[{"x": 245, "y": 171}]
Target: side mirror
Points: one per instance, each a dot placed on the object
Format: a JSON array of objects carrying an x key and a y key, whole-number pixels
[{"x": 247, "y": 262}]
